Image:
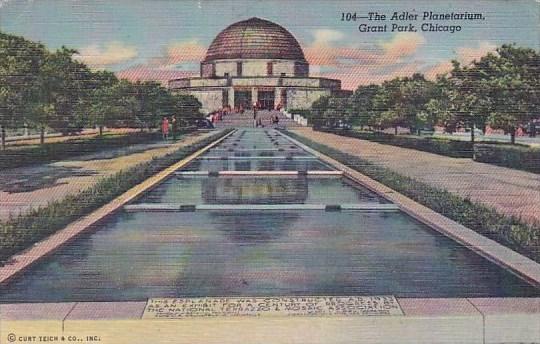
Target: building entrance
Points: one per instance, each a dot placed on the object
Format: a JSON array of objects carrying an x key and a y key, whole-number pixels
[
  {"x": 242, "y": 99},
  {"x": 266, "y": 99}
]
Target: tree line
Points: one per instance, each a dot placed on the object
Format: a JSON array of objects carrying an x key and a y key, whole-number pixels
[
  {"x": 45, "y": 89},
  {"x": 500, "y": 90}
]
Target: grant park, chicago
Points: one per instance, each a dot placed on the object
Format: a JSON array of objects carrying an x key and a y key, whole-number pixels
[{"x": 269, "y": 172}]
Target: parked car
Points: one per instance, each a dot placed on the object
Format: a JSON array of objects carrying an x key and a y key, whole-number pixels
[
  {"x": 341, "y": 125},
  {"x": 204, "y": 124}
]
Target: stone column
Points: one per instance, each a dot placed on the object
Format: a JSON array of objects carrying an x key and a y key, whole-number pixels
[
  {"x": 254, "y": 95},
  {"x": 231, "y": 97},
  {"x": 277, "y": 96}
]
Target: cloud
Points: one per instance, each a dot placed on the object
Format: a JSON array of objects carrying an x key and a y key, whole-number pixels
[
  {"x": 356, "y": 65},
  {"x": 464, "y": 55},
  {"x": 356, "y": 75},
  {"x": 177, "y": 60},
  {"x": 152, "y": 73},
  {"x": 109, "y": 54},
  {"x": 326, "y": 36},
  {"x": 438, "y": 69},
  {"x": 323, "y": 50},
  {"x": 187, "y": 51},
  {"x": 403, "y": 44}
]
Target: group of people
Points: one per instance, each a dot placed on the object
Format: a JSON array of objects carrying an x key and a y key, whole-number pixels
[
  {"x": 257, "y": 120},
  {"x": 169, "y": 126},
  {"x": 218, "y": 115}
]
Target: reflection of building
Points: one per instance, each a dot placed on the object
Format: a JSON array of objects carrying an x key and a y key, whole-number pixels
[
  {"x": 255, "y": 60},
  {"x": 249, "y": 191}
]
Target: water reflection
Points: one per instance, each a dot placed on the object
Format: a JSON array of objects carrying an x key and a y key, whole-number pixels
[
  {"x": 254, "y": 190},
  {"x": 260, "y": 254},
  {"x": 257, "y": 165},
  {"x": 252, "y": 227}
]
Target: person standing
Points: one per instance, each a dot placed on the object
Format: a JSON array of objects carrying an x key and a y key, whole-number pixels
[
  {"x": 165, "y": 128},
  {"x": 255, "y": 119},
  {"x": 173, "y": 127},
  {"x": 275, "y": 120}
]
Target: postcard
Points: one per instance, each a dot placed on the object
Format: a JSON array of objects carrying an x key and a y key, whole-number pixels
[{"x": 269, "y": 172}]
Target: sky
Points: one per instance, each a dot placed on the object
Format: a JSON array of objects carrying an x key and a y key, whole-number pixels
[{"x": 164, "y": 39}]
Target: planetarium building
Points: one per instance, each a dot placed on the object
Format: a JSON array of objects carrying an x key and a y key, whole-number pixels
[{"x": 252, "y": 61}]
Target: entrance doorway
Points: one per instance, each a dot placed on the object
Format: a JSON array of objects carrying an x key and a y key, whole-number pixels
[
  {"x": 266, "y": 99},
  {"x": 242, "y": 99}
]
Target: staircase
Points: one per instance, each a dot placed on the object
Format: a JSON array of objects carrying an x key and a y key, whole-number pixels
[{"x": 237, "y": 120}]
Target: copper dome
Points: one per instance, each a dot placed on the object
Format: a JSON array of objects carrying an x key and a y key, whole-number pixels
[{"x": 254, "y": 38}]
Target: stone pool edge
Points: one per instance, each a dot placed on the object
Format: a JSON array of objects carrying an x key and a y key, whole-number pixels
[
  {"x": 424, "y": 320},
  {"x": 500, "y": 255},
  {"x": 49, "y": 245}
]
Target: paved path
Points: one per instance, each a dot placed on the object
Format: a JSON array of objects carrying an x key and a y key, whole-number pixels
[
  {"x": 26, "y": 187},
  {"x": 57, "y": 137},
  {"x": 511, "y": 192}
]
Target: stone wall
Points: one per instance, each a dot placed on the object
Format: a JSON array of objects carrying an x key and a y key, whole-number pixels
[
  {"x": 255, "y": 67},
  {"x": 298, "y": 98},
  {"x": 211, "y": 99}
]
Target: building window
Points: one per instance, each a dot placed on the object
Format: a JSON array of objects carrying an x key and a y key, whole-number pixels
[
  {"x": 239, "y": 68},
  {"x": 301, "y": 69},
  {"x": 283, "y": 74},
  {"x": 270, "y": 68}
]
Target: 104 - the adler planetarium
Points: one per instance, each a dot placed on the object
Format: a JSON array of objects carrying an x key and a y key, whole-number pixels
[{"x": 255, "y": 61}]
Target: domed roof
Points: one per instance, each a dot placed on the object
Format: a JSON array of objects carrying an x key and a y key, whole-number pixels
[{"x": 254, "y": 38}]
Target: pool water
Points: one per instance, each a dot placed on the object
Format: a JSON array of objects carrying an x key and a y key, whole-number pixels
[
  {"x": 258, "y": 190},
  {"x": 264, "y": 164},
  {"x": 141, "y": 254}
]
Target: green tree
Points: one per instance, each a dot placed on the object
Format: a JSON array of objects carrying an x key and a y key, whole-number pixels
[
  {"x": 318, "y": 109},
  {"x": 512, "y": 80},
  {"x": 387, "y": 110},
  {"x": 468, "y": 98},
  {"x": 69, "y": 80},
  {"x": 362, "y": 104},
  {"x": 85, "y": 109},
  {"x": 440, "y": 106},
  {"x": 417, "y": 92},
  {"x": 104, "y": 107},
  {"x": 20, "y": 62},
  {"x": 401, "y": 102},
  {"x": 187, "y": 108}
]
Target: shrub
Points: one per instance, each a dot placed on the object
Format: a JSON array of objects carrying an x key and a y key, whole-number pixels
[
  {"x": 514, "y": 156},
  {"x": 446, "y": 147},
  {"x": 509, "y": 231},
  {"x": 29, "y": 155},
  {"x": 24, "y": 230}
]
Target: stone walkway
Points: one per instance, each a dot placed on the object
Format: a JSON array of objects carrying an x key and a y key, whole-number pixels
[
  {"x": 26, "y": 187},
  {"x": 57, "y": 137},
  {"x": 511, "y": 192}
]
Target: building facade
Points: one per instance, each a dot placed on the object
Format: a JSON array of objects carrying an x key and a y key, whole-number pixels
[{"x": 252, "y": 61}]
